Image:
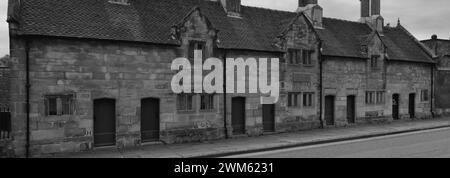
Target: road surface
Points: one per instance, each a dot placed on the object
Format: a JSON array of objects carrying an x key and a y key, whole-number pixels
[{"x": 424, "y": 144}]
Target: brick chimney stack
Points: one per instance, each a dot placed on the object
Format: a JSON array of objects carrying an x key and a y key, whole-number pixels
[
  {"x": 371, "y": 14},
  {"x": 232, "y": 7},
  {"x": 312, "y": 10}
]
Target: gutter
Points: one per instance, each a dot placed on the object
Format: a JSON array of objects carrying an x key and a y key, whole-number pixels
[
  {"x": 320, "y": 85},
  {"x": 432, "y": 91},
  {"x": 27, "y": 86},
  {"x": 225, "y": 94}
]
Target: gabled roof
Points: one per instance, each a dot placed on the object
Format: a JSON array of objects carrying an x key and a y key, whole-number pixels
[
  {"x": 343, "y": 38},
  {"x": 151, "y": 21},
  {"x": 401, "y": 45}
]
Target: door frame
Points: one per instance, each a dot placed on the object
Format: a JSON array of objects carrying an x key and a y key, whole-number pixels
[
  {"x": 159, "y": 119},
  {"x": 396, "y": 116},
  {"x": 273, "y": 118},
  {"x": 351, "y": 120},
  {"x": 412, "y": 110},
  {"x": 244, "y": 114},
  {"x": 115, "y": 121},
  {"x": 334, "y": 111}
]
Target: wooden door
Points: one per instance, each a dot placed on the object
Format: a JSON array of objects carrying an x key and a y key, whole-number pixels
[
  {"x": 150, "y": 115},
  {"x": 412, "y": 105},
  {"x": 269, "y": 117},
  {"x": 396, "y": 106},
  {"x": 104, "y": 122},
  {"x": 329, "y": 110},
  {"x": 351, "y": 109},
  {"x": 238, "y": 115}
]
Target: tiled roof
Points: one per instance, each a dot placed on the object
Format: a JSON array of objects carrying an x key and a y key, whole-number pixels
[
  {"x": 343, "y": 38},
  {"x": 402, "y": 46},
  {"x": 151, "y": 21}
]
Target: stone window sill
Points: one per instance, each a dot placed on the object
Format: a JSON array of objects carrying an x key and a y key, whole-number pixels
[
  {"x": 186, "y": 112},
  {"x": 208, "y": 111}
]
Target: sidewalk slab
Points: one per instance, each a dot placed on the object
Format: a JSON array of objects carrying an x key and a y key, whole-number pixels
[{"x": 243, "y": 145}]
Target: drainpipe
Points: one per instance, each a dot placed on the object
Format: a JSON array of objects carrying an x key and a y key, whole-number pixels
[
  {"x": 432, "y": 90},
  {"x": 225, "y": 94},
  {"x": 320, "y": 85},
  {"x": 27, "y": 85}
]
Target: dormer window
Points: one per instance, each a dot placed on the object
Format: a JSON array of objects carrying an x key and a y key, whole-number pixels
[
  {"x": 306, "y": 57},
  {"x": 196, "y": 46},
  {"x": 364, "y": 49},
  {"x": 298, "y": 56},
  {"x": 374, "y": 60}
]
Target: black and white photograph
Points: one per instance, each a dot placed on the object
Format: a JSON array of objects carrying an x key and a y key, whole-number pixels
[{"x": 225, "y": 79}]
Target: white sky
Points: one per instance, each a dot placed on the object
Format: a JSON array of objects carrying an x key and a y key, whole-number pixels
[{"x": 421, "y": 17}]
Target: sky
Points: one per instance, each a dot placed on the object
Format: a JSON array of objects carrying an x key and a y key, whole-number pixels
[{"x": 422, "y": 18}]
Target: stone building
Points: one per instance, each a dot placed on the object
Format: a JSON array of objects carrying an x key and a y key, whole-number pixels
[
  {"x": 5, "y": 119},
  {"x": 4, "y": 81},
  {"x": 372, "y": 72},
  {"x": 441, "y": 48},
  {"x": 93, "y": 73}
]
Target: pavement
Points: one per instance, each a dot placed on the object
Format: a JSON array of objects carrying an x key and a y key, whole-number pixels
[
  {"x": 246, "y": 145},
  {"x": 433, "y": 143}
]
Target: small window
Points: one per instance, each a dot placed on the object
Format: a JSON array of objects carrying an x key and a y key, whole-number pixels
[
  {"x": 207, "y": 102},
  {"x": 374, "y": 62},
  {"x": 370, "y": 97},
  {"x": 424, "y": 95},
  {"x": 308, "y": 99},
  {"x": 293, "y": 99},
  {"x": 306, "y": 57},
  {"x": 196, "y": 45},
  {"x": 375, "y": 97},
  {"x": 380, "y": 97},
  {"x": 56, "y": 105},
  {"x": 297, "y": 56},
  {"x": 184, "y": 102},
  {"x": 292, "y": 56}
]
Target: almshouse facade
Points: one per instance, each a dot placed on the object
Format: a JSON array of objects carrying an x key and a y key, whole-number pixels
[{"x": 99, "y": 74}]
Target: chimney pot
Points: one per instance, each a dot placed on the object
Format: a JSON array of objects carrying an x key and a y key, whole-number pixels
[
  {"x": 311, "y": 9},
  {"x": 375, "y": 7},
  {"x": 232, "y": 7},
  {"x": 434, "y": 37},
  {"x": 303, "y": 3},
  {"x": 370, "y": 14}
]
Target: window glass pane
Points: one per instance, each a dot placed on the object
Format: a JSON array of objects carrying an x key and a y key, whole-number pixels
[
  {"x": 189, "y": 102},
  {"x": 292, "y": 57},
  {"x": 295, "y": 99},
  {"x": 289, "y": 100},
  {"x": 207, "y": 102},
  {"x": 66, "y": 102},
  {"x": 52, "y": 107}
]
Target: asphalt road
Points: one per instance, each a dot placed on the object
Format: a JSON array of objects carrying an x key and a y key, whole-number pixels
[{"x": 424, "y": 144}]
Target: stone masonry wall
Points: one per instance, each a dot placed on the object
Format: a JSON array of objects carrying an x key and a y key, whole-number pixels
[
  {"x": 344, "y": 77},
  {"x": 300, "y": 78},
  {"x": 90, "y": 69},
  {"x": 349, "y": 77},
  {"x": 93, "y": 70},
  {"x": 5, "y": 143},
  {"x": 405, "y": 78}
]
